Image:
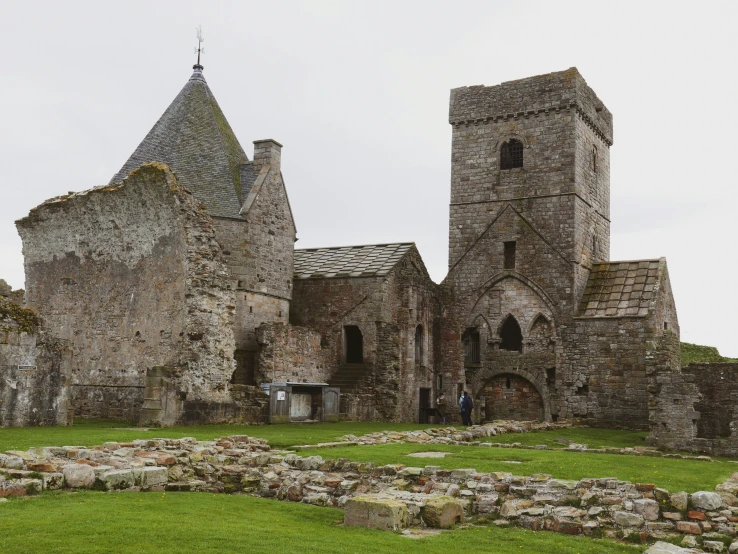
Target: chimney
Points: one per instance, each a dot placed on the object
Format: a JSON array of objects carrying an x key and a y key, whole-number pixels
[{"x": 267, "y": 152}]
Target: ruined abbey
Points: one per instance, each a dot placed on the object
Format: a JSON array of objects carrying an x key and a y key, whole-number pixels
[{"x": 174, "y": 294}]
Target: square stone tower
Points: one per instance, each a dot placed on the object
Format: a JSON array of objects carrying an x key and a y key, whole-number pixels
[{"x": 530, "y": 185}]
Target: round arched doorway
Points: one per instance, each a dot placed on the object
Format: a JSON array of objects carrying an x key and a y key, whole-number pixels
[{"x": 509, "y": 396}]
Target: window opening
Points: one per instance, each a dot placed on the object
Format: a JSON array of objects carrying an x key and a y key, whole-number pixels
[
  {"x": 419, "y": 345},
  {"x": 666, "y": 326},
  {"x": 507, "y": 383},
  {"x": 440, "y": 383},
  {"x": 594, "y": 159},
  {"x": 511, "y": 335},
  {"x": 509, "y": 255},
  {"x": 353, "y": 344},
  {"x": 470, "y": 338},
  {"x": 511, "y": 154},
  {"x": 551, "y": 377}
]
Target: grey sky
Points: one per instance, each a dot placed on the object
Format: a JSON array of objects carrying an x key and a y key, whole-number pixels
[{"x": 358, "y": 94}]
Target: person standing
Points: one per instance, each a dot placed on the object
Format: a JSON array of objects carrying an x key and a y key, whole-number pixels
[
  {"x": 466, "y": 404},
  {"x": 441, "y": 408}
]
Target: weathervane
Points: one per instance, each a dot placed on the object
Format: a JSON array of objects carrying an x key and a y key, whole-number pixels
[{"x": 199, "y": 48}]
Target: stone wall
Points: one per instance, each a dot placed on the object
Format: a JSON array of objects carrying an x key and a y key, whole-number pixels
[
  {"x": 259, "y": 249},
  {"x": 389, "y": 311},
  {"x": 132, "y": 277},
  {"x": 34, "y": 369},
  {"x": 289, "y": 354},
  {"x": 695, "y": 409}
]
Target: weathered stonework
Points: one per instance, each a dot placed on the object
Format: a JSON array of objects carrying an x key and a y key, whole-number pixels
[
  {"x": 390, "y": 307},
  {"x": 132, "y": 277},
  {"x": 179, "y": 292},
  {"x": 34, "y": 369}
]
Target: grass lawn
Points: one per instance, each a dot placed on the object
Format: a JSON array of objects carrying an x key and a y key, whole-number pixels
[
  {"x": 202, "y": 522},
  {"x": 93, "y": 432},
  {"x": 672, "y": 474},
  {"x": 592, "y": 437}
]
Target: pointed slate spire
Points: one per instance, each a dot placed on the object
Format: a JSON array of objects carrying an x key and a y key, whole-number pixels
[{"x": 194, "y": 138}]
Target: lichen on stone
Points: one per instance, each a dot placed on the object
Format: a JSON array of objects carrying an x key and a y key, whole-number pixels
[{"x": 13, "y": 316}]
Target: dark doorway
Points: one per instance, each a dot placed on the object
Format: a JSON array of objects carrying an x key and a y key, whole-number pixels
[
  {"x": 425, "y": 405},
  {"x": 511, "y": 335},
  {"x": 354, "y": 344},
  {"x": 245, "y": 362}
]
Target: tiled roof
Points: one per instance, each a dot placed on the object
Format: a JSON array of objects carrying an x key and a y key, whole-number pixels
[
  {"x": 369, "y": 260},
  {"x": 621, "y": 289},
  {"x": 194, "y": 139}
]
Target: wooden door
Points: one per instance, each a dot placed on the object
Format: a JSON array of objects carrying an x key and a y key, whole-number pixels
[{"x": 331, "y": 403}]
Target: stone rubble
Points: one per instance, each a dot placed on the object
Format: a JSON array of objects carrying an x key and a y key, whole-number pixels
[
  {"x": 473, "y": 436},
  {"x": 430, "y": 496}
]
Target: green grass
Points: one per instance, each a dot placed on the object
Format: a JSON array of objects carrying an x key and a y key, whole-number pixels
[
  {"x": 93, "y": 432},
  {"x": 592, "y": 437},
  {"x": 672, "y": 474},
  {"x": 87, "y": 522},
  {"x": 698, "y": 353}
]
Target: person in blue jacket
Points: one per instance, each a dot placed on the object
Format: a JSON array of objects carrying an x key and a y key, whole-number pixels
[{"x": 466, "y": 404}]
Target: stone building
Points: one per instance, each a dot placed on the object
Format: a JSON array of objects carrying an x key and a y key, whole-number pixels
[
  {"x": 540, "y": 323},
  {"x": 178, "y": 290},
  {"x": 167, "y": 271}
]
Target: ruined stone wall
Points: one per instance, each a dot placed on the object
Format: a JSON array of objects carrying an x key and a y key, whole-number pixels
[
  {"x": 132, "y": 277},
  {"x": 327, "y": 305},
  {"x": 289, "y": 354},
  {"x": 34, "y": 388},
  {"x": 603, "y": 372},
  {"x": 260, "y": 249},
  {"x": 695, "y": 409}
]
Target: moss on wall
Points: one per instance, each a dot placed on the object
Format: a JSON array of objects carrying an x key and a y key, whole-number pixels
[{"x": 13, "y": 316}]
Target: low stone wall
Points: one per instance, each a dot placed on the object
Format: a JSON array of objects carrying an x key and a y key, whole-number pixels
[{"x": 239, "y": 464}]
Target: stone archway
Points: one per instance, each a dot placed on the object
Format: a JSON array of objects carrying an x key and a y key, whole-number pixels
[{"x": 511, "y": 394}]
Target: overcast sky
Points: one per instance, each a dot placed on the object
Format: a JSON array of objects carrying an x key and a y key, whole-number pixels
[{"x": 358, "y": 94}]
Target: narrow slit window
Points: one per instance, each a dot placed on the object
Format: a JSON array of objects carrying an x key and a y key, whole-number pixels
[{"x": 510, "y": 255}]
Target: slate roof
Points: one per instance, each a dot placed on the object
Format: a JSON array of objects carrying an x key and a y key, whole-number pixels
[
  {"x": 622, "y": 289},
  {"x": 194, "y": 139},
  {"x": 370, "y": 260}
]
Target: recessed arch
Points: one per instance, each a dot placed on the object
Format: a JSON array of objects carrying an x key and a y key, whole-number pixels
[
  {"x": 482, "y": 377},
  {"x": 540, "y": 334},
  {"x": 511, "y": 335},
  {"x": 511, "y": 274}
]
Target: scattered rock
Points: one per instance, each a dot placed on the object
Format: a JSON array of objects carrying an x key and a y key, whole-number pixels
[
  {"x": 79, "y": 476},
  {"x": 442, "y": 512},
  {"x": 375, "y": 512}
]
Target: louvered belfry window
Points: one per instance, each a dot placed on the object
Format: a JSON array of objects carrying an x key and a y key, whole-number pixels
[{"x": 511, "y": 154}]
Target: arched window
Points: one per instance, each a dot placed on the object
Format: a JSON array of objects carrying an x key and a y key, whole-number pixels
[
  {"x": 353, "y": 342},
  {"x": 511, "y": 154},
  {"x": 419, "y": 345},
  {"x": 470, "y": 338},
  {"x": 511, "y": 335},
  {"x": 594, "y": 159}
]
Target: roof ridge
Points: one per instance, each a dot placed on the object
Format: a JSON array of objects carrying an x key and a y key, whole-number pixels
[{"x": 353, "y": 246}]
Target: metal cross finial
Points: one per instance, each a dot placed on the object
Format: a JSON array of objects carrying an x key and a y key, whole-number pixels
[{"x": 199, "y": 48}]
